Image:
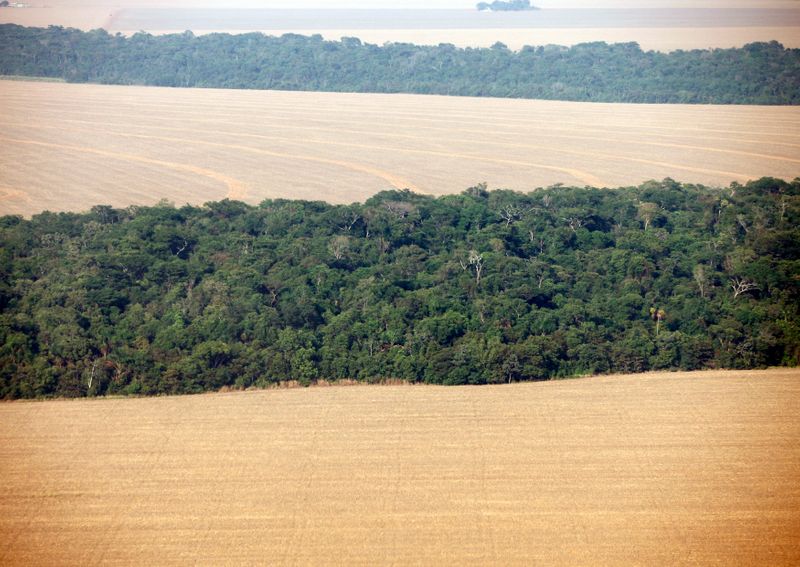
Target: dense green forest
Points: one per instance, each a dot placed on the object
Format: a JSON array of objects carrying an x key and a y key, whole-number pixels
[
  {"x": 481, "y": 287},
  {"x": 760, "y": 73}
]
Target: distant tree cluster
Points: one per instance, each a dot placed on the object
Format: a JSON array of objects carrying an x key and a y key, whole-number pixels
[
  {"x": 759, "y": 73},
  {"x": 511, "y": 6},
  {"x": 481, "y": 287}
]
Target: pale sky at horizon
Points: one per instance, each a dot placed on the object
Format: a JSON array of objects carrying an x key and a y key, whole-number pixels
[{"x": 468, "y": 4}]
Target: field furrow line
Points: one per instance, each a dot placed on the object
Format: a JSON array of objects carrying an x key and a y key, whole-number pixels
[
  {"x": 236, "y": 189},
  {"x": 580, "y": 175},
  {"x": 542, "y": 128},
  {"x": 396, "y": 181},
  {"x": 400, "y": 183},
  {"x": 704, "y": 148},
  {"x": 7, "y": 193}
]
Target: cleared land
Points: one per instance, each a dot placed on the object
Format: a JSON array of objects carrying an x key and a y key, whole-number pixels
[
  {"x": 721, "y": 30},
  {"x": 658, "y": 469},
  {"x": 68, "y": 147}
]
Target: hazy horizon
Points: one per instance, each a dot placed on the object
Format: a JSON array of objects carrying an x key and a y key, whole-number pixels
[{"x": 468, "y": 4}]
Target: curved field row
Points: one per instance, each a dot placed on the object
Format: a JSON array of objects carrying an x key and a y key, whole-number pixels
[
  {"x": 656, "y": 469},
  {"x": 137, "y": 145},
  {"x": 236, "y": 189}
]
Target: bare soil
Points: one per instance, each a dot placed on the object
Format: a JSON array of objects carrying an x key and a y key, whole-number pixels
[
  {"x": 69, "y": 147},
  {"x": 657, "y": 469},
  {"x": 110, "y": 14}
]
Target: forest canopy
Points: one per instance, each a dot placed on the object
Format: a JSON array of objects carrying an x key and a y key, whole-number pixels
[
  {"x": 759, "y": 73},
  {"x": 480, "y": 287}
]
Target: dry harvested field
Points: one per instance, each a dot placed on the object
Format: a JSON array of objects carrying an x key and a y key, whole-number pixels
[
  {"x": 169, "y": 16},
  {"x": 68, "y": 147},
  {"x": 659, "y": 26},
  {"x": 658, "y": 469}
]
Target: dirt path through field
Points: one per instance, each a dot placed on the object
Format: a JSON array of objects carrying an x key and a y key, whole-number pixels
[{"x": 658, "y": 469}]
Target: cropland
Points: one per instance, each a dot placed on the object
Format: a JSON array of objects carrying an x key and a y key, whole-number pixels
[
  {"x": 657, "y": 469},
  {"x": 69, "y": 147},
  {"x": 662, "y": 26}
]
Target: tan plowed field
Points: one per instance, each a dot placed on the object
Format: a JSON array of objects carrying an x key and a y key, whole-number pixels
[
  {"x": 68, "y": 147},
  {"x": 129, "y": 17},
  {"x": 659, "y": 469}
]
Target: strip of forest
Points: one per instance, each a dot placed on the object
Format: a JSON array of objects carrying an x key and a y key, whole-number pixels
[
  {"x": 758, "y": 73},
  {"x": 475, "y": 288}
]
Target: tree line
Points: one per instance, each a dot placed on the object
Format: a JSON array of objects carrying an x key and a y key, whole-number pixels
[
  {"x": 475, "y": 288},
  {"x": 759, "y": 73}
]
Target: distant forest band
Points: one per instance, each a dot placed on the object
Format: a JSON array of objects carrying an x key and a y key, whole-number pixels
[{"x": 759, "y": 73}]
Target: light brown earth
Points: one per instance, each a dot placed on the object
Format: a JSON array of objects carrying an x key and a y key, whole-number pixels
[
  {"x": 93, "y": 14},
  {"x": 659, "y": 469},
  {"x": 69, "y": 147}
]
